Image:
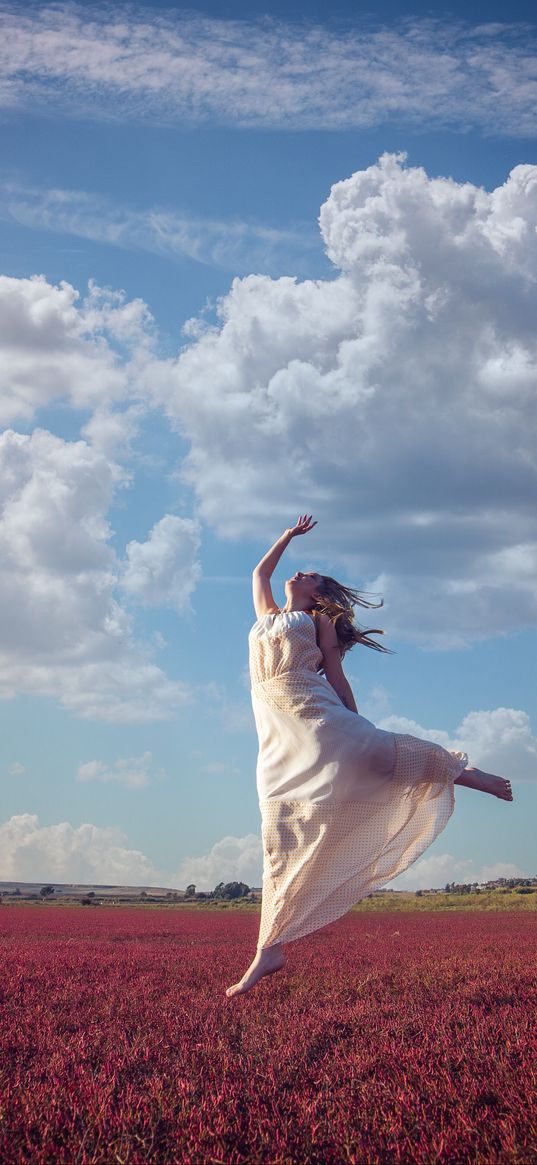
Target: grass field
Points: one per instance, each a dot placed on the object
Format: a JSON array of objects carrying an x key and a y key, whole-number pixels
[
  {"x": 486, "y": 900},
  {"x": 390, "y": 1038},
  {"x": 504, "y": 899}
]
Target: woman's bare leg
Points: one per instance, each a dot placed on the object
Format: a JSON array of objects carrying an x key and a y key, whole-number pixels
[
  {"x": 473, "y": 778},
  {"x": 266, "y": 962}
]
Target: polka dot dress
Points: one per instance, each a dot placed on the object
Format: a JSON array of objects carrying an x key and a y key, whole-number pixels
[{"x": 345, "y": 806}]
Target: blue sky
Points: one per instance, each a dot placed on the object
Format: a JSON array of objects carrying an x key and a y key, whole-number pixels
[{"x": 194, "y": 352}]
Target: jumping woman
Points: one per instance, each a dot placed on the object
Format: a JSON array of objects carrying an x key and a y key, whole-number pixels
[{"x": 345, "y": 806}]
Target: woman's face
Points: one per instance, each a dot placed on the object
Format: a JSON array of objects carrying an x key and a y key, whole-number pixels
[{"x": 303, "y": 587}]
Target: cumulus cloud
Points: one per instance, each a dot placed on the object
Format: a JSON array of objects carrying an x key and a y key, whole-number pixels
[
  {"x": 63, "y": 633},
  {"x": 181, "y": 67},
  {"x": 390, "y": 398},
  {"x": 55, "y": 348},
  {"x": 434, "y": 872},
  {"x": 232, "y": 859},
  {"x": 164, "y": 570},
  {"x": 134, "y": 772},
  {"x": 499, "y": 741},
  {"x": 30, "y": 852}
]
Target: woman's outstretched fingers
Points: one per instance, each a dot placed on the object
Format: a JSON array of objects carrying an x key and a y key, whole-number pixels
[{"x": 304, "y": 523}]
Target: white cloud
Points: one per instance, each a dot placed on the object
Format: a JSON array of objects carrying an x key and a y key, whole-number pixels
[
  {"x": 87, "y": 853},
  {"x": 220, "y": 768},
  {"x": 377, "y": 702},
  {"x": 164, "y": 570},
  {"x": 55, "y": 348},
  {"x": 434, "y": 872},
  {"x": 232, "y": 859},
  {"x": 63, "y": 633},
  {"x": 390, "y": 397},
  {"x": 233, "y": 245},
  {"x": 134, "y": 772},
  {"x": 387, "y": 400},
  {"x": 501, "y": 870},
  {"x": 16, "y": 769},
  {"x": 181, "y": 67},
  {"x": 499, "y": 741},
  {"x": 30, "y": 852}
]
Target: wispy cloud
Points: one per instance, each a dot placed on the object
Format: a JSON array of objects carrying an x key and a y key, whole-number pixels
[
  {"x": 233, "y": 245},
  {"x": 181, "y": 67},
  {"x": 134, "y": 772},
  {"x": 16, "y": 769}
]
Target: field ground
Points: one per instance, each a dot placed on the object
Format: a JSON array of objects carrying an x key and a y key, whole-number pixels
[
  {"x": 485, "y": 900},
  {"x": 402, "y": 1037}
]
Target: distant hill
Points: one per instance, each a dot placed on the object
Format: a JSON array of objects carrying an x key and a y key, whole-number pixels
[{"x": 79, "y": 890}]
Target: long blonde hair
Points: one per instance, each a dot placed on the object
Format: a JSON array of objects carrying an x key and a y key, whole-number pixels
[{"x": 338, "y": 602}]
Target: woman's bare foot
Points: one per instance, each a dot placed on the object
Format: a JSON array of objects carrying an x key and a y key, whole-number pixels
[
  {"x": 474, "y": 778},
  {"x": 267, "y": 960}
]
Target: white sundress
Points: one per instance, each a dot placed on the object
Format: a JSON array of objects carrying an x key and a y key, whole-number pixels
[{"x": 345, "y": 806}]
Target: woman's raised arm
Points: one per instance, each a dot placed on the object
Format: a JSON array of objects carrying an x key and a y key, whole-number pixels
[{"x": 263, "y": 598}]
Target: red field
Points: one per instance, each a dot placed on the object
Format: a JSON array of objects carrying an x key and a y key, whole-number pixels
[{"x": 391, "y": 1038}]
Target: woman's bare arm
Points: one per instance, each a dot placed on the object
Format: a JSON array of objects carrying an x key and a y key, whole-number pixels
[
  {"x": 262, "y": 592},
  {"x": 332, "y": 663}
]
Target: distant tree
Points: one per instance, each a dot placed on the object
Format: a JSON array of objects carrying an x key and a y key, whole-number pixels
[
  {"x": 46, "y": 891},
  {"x": 235, "y": 890},
  {"x": 190, "y": 890},
  {"x": 143, "y": 894},
  {"x": 218, "y": 891}
]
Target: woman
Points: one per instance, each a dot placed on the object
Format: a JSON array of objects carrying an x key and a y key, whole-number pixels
[{"x": 345, "y": 806}]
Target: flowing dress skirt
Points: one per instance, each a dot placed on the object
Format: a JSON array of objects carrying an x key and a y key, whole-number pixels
[{"x": 345, "y": 806}]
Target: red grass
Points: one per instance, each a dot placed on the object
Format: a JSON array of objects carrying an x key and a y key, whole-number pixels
[{"x": 391, "y": 1038}]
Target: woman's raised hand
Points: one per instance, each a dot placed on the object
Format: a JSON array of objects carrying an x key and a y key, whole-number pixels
[{"x": 304, "y": 524}]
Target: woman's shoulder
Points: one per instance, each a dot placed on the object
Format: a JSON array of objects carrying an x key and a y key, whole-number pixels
[
  {"x": 266, "y": 619},
  {"x": 321, "y": 618},
  {"x": 264, "y": 612}
]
